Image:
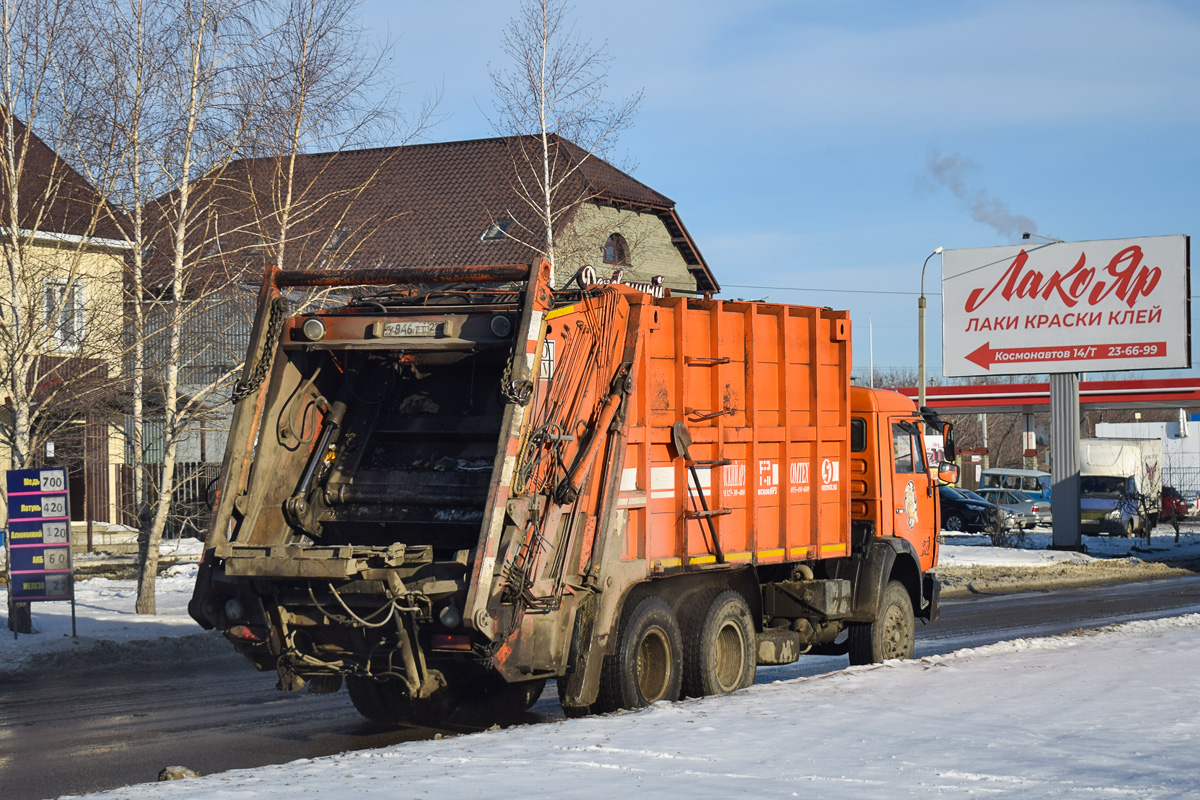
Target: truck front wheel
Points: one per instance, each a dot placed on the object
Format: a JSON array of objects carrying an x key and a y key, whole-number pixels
[
  {"x": 891, "y": 635},
  {"x": 719, "y": 647},
  {"x": 648, "y": 664}
]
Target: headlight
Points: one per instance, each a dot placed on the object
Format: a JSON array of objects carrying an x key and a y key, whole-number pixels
[
  {"x": 1114, "y": 514},
  {"x": 313, "y": 329}
]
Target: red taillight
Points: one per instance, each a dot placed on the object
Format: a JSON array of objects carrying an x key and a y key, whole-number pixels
[
  {"x": 451, "y": 641},
  {"x": 1035, "y": 509},
  {"x": 246, "y": 633}
]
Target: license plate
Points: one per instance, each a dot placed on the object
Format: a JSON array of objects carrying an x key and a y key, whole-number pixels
[{"x": 409, "y": 328}]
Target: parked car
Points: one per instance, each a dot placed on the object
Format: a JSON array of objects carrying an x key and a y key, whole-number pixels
[
  {"x": 1173, "y": 504},
  {"x": 1032, "y": 482},
  {"x": 962, "y": 512},
  {"x": 1027, "y": 511}
]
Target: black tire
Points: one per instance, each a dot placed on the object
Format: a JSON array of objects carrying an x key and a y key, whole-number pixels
[
  {"x": 370, "y": 700},
  {"x": 433, "y": 710},
  {"x": 953, "y": 522},
  {"x": 891, "y": 635},
  {"x": 575, "y": 712},
  {"x": 648, "y": 664},
  {"x": 504, "y": 703},
  {"x": 387, "y": 704},
  {"x": 719, "y": 647}
]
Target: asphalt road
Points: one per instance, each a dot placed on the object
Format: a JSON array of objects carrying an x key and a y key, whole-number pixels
[{"x": 78, "y": 733}]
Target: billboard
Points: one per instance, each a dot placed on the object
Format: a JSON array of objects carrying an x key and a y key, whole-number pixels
[{"x": 1114, "y": 304}]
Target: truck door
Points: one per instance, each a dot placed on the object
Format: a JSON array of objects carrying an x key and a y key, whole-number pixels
[{"x": 914, "y": 515}]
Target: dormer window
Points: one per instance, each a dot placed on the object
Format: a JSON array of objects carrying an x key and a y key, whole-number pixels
[
  {"x": 497, "y": 230},
  {"x": 616, "y": 252},
  {"x": 335, "y": 241}
]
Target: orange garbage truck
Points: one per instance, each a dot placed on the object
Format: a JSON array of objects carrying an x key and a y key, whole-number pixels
[{"x": 459, "y": 483}]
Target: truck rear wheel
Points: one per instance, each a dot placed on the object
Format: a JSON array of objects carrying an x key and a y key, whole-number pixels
[
  {"x": 387, "y": 704},
  {"x": 891, "y": 635},
  {"x": 648, "y": 664},
  {"x": 719, "y": 645},
  {"x": 502, "y": 702},
  {"x": 368, "y": 699}
]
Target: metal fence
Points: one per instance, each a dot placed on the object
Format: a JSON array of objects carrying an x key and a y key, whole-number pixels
[
  {"x": 190, "y": 510},
  {"x": 1186, "y": 481}
]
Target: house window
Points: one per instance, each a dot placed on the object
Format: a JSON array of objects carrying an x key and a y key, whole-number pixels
[
  {"x": 616, "y": 251},
  {"x": 64, "y": 312},
  {"x": 497, "y": 230}
]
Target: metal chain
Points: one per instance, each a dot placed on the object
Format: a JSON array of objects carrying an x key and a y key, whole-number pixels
[
  {"x": 244, "y": 388},
  {"x": 518, "y": 391}
]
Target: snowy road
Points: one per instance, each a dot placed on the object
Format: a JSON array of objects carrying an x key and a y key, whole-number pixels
[{"x": 78, "y": 733}]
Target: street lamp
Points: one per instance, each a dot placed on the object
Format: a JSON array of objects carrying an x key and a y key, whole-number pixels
[{"x": 921, "y": 332}]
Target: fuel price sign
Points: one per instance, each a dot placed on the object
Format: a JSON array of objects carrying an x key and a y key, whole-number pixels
[{"x": 39, "y": 540}]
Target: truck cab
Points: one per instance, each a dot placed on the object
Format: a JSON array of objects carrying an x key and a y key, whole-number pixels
[{"x": 893, "y": 489}]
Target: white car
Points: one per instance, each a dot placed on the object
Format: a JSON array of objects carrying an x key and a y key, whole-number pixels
[{"x": 1028, "y": 512}]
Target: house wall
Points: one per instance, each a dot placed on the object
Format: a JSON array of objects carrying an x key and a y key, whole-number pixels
[
  {"x": 100, "y": 272},
  {"x": 651, "y": 251}
]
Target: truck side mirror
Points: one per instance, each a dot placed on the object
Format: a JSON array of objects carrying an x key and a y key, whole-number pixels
[
  {"x": 948, "y": 440},
  {"x": 947, "y": 472}
]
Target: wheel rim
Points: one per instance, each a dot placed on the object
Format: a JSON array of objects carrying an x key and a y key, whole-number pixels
[
  {"x": 653, "y": 665},
  {"x": 953, "y": 523},
  {"x": 731, "y": 657},
  {"x": 895, "y": 630}
]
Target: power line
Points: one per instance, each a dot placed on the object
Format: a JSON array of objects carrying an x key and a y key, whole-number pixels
[{"x": 836, "y": 291}]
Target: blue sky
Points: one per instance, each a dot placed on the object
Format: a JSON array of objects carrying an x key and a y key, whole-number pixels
[{"x": 830, "y": 146}]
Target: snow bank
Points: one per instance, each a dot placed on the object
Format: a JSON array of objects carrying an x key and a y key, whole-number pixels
[
  {"x": 109, "y": 630},
  {"x": 961, "y": 549}
]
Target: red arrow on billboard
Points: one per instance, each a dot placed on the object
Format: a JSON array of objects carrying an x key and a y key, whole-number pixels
[{"x": 985, "y": 355}]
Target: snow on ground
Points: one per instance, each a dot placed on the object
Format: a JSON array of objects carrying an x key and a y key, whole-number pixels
[
  {"x": 966, "y": 549},
  {"x": 105, "y": 620},
  {"x": 1111, "y": 714}
]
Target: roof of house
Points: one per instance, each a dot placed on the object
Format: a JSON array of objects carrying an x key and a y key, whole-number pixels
[
  {"x": 427, "y": 203},
  {"x": 54, "y": 198}
]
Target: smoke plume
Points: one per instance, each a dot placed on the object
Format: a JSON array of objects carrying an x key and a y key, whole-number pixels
[{"x": 952, "y": 172}]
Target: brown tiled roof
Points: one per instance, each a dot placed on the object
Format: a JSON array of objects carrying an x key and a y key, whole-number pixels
[
  {"x": 420, "y": 204},
  {"x": 74, "y": 201}
]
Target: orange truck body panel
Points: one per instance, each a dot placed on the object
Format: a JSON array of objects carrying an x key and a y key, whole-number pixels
[{"x": 764, "y": 392}]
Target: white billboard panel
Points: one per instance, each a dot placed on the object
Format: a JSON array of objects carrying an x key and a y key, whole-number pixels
[{"x": 1116, "y": 304}]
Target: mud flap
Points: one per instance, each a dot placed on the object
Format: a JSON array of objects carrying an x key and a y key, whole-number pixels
[
  {"x": 931, "y": 592},
  {"x": 581, "y": 684}
]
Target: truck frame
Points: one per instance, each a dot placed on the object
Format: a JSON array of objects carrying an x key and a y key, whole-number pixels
[{"x": 464, "y": 483}]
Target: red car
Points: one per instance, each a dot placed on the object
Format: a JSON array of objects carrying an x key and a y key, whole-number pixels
[{"x": 1173, "y": 504}]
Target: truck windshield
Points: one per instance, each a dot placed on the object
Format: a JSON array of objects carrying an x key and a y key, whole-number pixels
[{"x": 1102, "y": 485}]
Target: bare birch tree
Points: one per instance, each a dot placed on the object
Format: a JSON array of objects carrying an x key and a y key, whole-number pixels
[
  {"x": 552, "y": 90},
  {"x": 208, "y": 82},
  {"x": 206, "y": 41}
]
